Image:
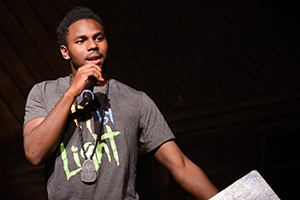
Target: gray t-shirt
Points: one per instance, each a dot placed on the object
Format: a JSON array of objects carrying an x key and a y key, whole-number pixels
[{"x": 131, "y": 118}]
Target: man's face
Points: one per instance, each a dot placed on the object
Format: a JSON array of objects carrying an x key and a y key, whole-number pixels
[{"x": 86, "y": 44}]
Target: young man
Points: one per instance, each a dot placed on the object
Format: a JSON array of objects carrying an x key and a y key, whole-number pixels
[{"x": 90, "y": 149}]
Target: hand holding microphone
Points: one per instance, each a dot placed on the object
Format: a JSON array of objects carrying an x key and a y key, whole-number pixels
[{"x": 92, "y": 76}]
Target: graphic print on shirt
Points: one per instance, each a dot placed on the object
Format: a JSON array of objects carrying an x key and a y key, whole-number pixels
[{"x": 102, "y": 148}]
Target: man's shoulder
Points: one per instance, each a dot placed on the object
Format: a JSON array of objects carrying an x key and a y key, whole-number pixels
[
  {"x": 59, "y": 81},
  {"x": 58, "y": 85},
  {"x": 125, "y": 89}
]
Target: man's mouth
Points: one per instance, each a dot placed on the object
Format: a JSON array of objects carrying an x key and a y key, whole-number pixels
[{"x": 96, "y": 59}]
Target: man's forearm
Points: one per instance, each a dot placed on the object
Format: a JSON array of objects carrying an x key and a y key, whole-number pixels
[
  {"x": 42, "y": 135},
  {"x": 194, "y": 180},
  {"x": 185, "y": 172}
]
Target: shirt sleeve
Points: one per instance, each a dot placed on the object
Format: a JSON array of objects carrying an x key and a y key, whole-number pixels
[
  {"x": 35, "y": 104},
  {"x": 154, "y": 128}
]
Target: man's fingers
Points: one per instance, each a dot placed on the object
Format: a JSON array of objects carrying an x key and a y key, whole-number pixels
[{"x": 91, "y": 70}]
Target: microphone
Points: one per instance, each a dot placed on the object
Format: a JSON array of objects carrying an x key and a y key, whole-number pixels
[{"x": 87, "y": 94}]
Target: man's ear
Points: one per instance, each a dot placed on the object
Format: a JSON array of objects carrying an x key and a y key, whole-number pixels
[{"x": 65, "y": 52}]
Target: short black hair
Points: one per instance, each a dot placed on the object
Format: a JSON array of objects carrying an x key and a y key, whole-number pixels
[{"x": 73, "y": 16}]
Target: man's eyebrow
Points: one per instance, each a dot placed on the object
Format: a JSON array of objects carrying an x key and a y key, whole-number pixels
[
  {"x": 81, "y": 37},
  {"x": 94, "y": 36},
  {"x": 98, "y": 34}
]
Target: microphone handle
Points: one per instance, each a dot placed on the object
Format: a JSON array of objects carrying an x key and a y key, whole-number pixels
[{"x": 90, "y": 83}]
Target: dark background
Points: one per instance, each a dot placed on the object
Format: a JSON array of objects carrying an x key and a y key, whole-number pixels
[{"x": 225, "y": 74}]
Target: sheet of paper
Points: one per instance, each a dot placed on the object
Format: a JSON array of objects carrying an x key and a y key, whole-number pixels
[{"x": 251, "y": 186}]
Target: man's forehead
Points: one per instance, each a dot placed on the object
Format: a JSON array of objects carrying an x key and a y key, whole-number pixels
[{"x": 85, "y": 27}]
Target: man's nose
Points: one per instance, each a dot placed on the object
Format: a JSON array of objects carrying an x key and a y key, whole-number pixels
[{"x": 92, "y": 45}]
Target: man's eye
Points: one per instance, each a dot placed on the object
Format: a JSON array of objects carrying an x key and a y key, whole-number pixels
[
  {"x": 79, "y": 41},
  {"x": 99, "y": 39}
]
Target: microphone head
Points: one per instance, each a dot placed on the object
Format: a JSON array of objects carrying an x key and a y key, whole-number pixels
[{"x": 87, "y": 93}]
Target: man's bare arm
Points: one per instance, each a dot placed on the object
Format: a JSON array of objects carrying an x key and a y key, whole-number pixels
[
  {"x": 185, "y": 172},
  {"x": 41, "y": 135}
]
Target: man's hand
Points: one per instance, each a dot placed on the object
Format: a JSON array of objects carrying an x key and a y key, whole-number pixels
[{"x": 80, "y": 77}]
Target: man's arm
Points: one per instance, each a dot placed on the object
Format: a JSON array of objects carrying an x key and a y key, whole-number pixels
[
  {"x": 41, "y": 135},
  {"x": 185, "y": 172}
]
